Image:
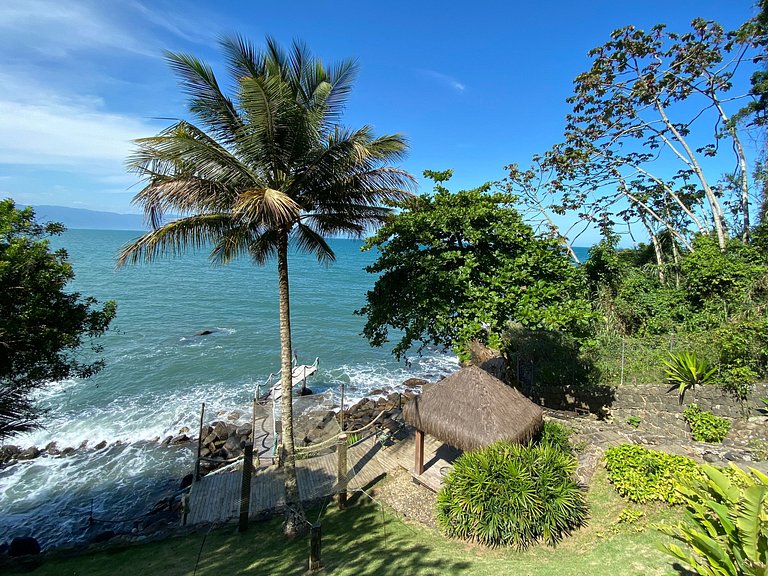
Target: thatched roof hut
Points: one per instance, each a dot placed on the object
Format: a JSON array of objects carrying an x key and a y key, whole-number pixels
[{"x": 471, "y": 409}]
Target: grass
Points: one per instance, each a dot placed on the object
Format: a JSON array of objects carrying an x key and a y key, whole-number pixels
[{"x": 367, "y": 540}]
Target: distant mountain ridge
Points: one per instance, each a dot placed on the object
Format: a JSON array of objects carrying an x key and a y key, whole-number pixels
[{"x": 81, "y": 218}]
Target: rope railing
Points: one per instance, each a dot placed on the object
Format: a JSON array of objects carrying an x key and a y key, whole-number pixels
[{"x": 333, "y": 440}]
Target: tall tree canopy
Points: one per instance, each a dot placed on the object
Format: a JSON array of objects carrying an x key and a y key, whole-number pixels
[
  {"x": 267, "y": 165},
  {"x": 649, "y": 135},
  {"x": 460, "y": 266},
  {"x": 42, "y": 326}
]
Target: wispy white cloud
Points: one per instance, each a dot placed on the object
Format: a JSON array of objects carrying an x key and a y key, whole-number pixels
[
  {"x": 61, "y": 29},
  {"x": 41, "y": 127},
  {"x": 446, "y": 80}
]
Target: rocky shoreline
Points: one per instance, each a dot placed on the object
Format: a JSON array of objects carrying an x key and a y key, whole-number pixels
[{"x": 224, "y": 437}]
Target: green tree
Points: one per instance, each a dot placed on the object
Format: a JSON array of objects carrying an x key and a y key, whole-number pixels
[
  {"x": 267, "y": 165},
  {"x": 648, "y": 117},
  {"x": 42, "y": 326},
  {"x": 458, "y": 267}
]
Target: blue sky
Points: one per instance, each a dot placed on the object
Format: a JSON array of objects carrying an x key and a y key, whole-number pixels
[{"x": 474, "y": 86}]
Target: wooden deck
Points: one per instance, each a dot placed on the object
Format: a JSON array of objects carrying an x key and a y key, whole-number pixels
[{"x": 216, "y": 497}]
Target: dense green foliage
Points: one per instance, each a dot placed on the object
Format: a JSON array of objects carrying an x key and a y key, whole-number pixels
[
  {"x": 725, "y": 531},
  {"x": 512, "y": 495},
  {"x": 556, "y": 435},
  {"x": 42, "y": 326},
  {"x": 630, "y": 163},
  {"x": 705, "y": 426},
  {"x": 642, "y": 475},
  {"x": 712, "y": 305},
  {"x": 460, "y": 266}
]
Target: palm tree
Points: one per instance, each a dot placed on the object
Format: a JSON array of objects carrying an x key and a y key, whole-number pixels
[{"x": 269, "y": 166}]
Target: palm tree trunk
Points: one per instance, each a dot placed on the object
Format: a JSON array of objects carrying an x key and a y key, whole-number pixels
[{"x": 295, "y": 521}]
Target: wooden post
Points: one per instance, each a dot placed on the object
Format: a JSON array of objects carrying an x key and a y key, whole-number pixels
[
  {"x": 341, "y": 410},
  {"x": 315, "y": 545},
  {"x": 199, "y": 443},
  {"x": 184, "y": 509},
  {"x": 341, "y": 472},
  {"x": 419, "y": 468},
  {"x": 245, "y": 488},
  {"x": 253, "y": 427}
]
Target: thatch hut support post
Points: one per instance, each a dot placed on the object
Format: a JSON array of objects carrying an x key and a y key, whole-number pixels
[{"x": 419, "y": 463}]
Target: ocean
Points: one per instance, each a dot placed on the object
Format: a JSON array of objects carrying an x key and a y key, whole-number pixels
[{"x": 158, "y": 373}]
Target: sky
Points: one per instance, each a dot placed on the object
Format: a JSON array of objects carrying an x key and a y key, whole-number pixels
[{"x": 474, "y": 86}]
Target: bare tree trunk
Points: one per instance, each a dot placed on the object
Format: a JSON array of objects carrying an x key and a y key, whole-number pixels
[
  {"x": 743, "y": 181},
  {"x": 656, "y": 247},
  {"x": 295, "y": 521},
  {"x": 718, "y": 218}
]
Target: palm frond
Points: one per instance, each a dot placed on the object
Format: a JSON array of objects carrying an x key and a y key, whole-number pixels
[
  {"x": 233, "y": 243},
  {"x": 207, "y": 101},
  {"x": 243, "y": 59},
  {"x": 309, "y": 241},
  {"x": 267, "y": 207},
  {"x": 264, "y": 246},
  {"x": 175, "y": 238}
]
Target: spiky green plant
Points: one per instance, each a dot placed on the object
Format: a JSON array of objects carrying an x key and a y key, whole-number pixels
[
  {"x": 685, "y": 370},
  {"x": 557, "y": 435},
  {"x": 725, "y": 531},
  {"x": 512, "y": 495}
]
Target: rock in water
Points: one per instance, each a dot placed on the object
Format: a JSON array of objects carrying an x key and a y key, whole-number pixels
[
  {"x": 24, "y": 546},
  {"x": 186, "y": 482},
  {"x": 414, "y": 382}
]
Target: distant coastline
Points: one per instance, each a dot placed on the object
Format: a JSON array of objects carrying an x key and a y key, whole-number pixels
[{"x": 84, "y": 219}]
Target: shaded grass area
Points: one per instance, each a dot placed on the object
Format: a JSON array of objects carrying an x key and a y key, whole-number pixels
[{"x": 367, "y": 539}]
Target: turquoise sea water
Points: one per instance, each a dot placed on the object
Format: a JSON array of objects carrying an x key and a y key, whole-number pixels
[{"x": 158, "y": 373}]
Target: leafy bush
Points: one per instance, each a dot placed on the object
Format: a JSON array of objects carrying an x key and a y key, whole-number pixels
[
  {"x": 705, "y": 426},
  {"x": 556, "y": 435},
  {"x": 641, "y": 475},
  {"x": 743, "y": 355},
  {"x": 512, "y": 495},
  {"x": 685, "y": 370},
  {"x": 714, "y": 274},
  {"x": 726, "y": 527}
]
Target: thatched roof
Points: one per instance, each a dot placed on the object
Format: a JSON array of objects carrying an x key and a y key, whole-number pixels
[{"x": 470, "y": 409}]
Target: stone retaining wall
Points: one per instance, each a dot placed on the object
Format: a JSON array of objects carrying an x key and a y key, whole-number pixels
[{"x": 607, "y": 400}]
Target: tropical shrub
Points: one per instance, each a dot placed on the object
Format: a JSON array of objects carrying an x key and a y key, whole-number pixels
[
  {"x": 743, "y": 355},
  {"x": 686, "y": 370},
  {"x": 642, "y": 475},
  {"x": 725, "y": 531},
  {"x": 705, "y": 426},
  {"x": 725, "y": 275},
  {"x": 556, "y": 435},
  {"x": 512, "y": 495}
]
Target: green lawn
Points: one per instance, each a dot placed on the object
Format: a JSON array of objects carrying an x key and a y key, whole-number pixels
[{"x": 366, "y": 540}]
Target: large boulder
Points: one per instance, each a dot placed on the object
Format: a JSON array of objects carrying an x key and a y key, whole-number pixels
[
  {"x": 24, "y": 546},
  {"x": 414, "y": 383},
  {"x": 221, "y": 430}
]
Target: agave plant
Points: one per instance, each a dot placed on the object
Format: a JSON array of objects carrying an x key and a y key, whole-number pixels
[
  {"x": 726, "y": 527},
  {"x": 685, "y": 370}
]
